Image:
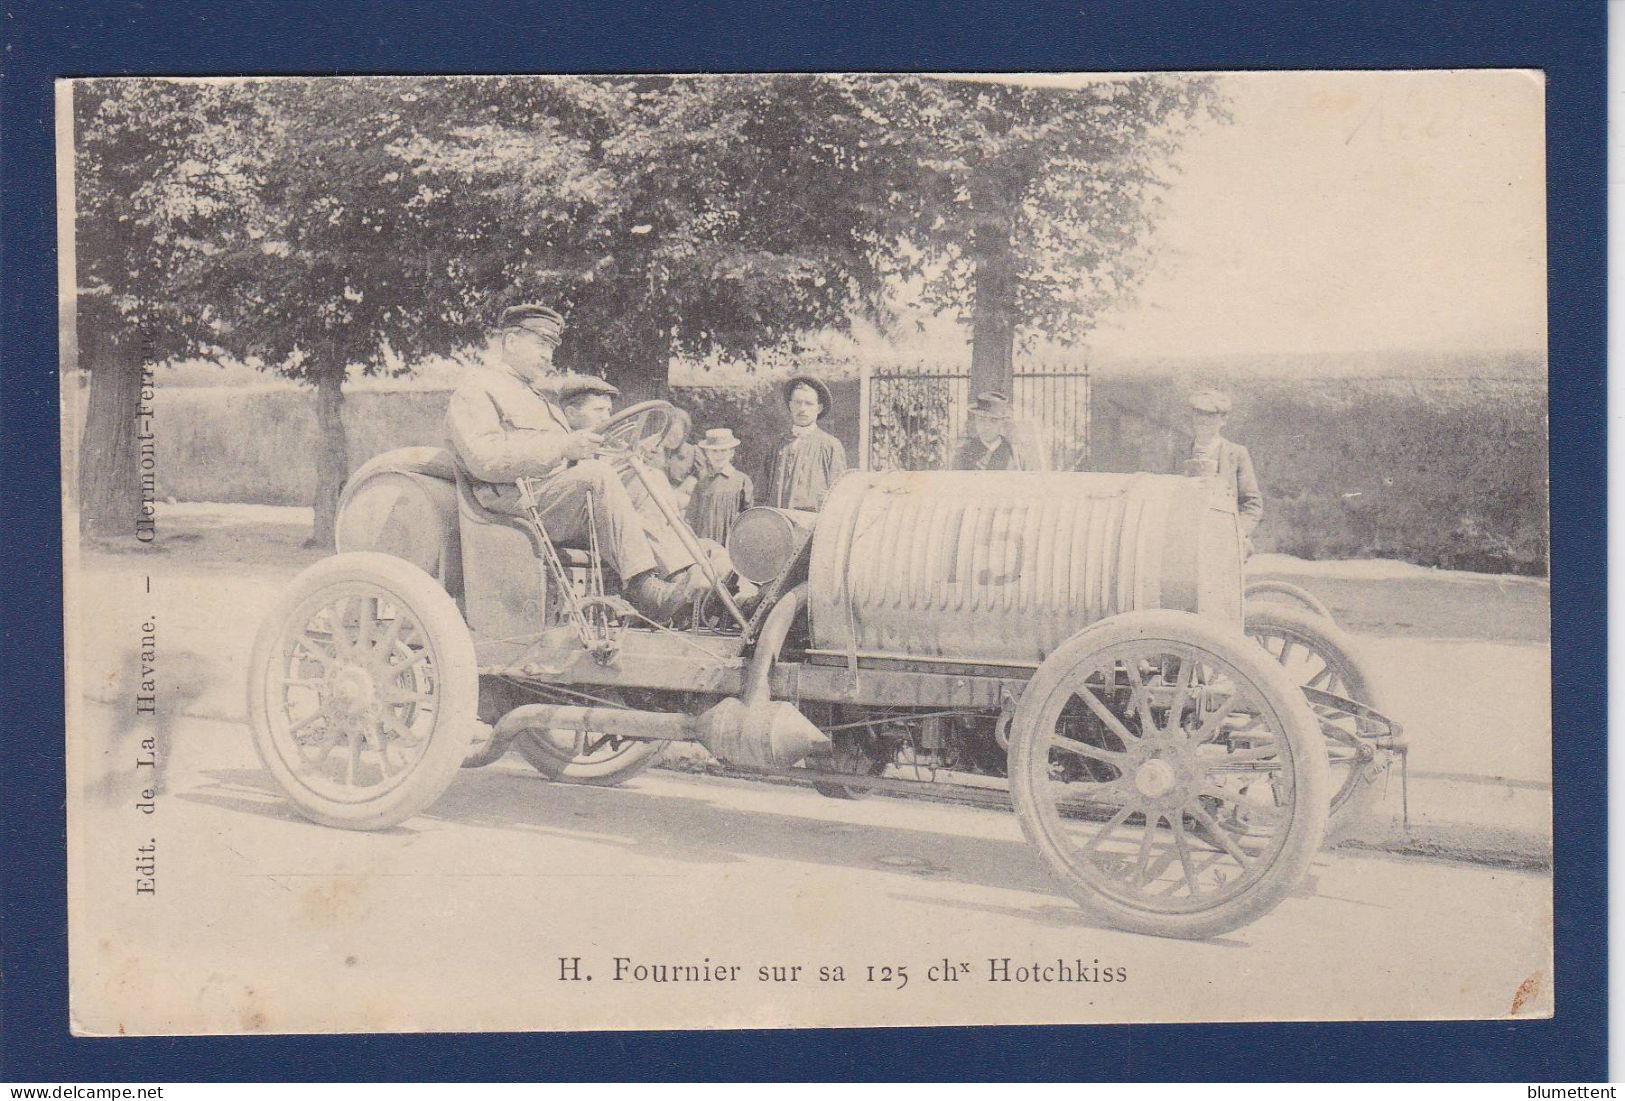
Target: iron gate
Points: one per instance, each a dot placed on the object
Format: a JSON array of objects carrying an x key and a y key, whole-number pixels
[{"x": 914, "y": 418}]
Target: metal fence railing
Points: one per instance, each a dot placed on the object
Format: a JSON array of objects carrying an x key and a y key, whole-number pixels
[{"x": 914, "y": 418}]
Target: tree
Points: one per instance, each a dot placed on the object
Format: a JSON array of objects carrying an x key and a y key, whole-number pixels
[
  {"x": 161, "y": 171},
  {"x": 383, "y": 236},
  {"x": 1034, "y": 205},
  {"x": 320, "y": 227},
  {"x": 749, "y": 211},
  {"x": 372, "y": 222}
]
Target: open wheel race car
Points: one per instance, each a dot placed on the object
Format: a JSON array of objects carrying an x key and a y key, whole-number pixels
[{"x": 1079, "y": 635}]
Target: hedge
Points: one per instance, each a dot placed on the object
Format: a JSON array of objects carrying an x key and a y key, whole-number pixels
[{"x": 1446, "y": 472}]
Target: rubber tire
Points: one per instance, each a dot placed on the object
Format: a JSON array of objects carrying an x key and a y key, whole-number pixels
[
  {"x": 1351, "y": 803},
  {"x": 1298, "y": 594},
  {"x": 831, "y": 789},
  {"x": 1296, "y": 723},
  {"x": 547, "y": 760},
  {"x": 456, "y": 704}
]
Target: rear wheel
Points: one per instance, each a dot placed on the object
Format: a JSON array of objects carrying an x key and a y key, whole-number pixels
[
  {"x": 1169, "y": 774},
  {"x": 362, "y": 691},
  {"x": 1293, "y": 594},
  {"x": 1314, "y": 652},
  {"x": 587, "y": 757},
  {"x": 853, "y": 752}
]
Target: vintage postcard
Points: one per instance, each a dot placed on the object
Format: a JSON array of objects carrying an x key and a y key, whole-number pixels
[{"x": 697, "y": 552}]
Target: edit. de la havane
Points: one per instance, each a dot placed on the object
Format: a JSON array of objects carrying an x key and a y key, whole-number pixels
[{"x": 146, "y": 703}]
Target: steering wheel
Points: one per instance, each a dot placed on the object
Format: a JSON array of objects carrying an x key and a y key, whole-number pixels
[{"x": 641, "y": 427}]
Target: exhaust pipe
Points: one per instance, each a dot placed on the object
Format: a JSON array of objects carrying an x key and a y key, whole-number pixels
[
  {"x": 752, "y": 731},
  {"x": 767, "y": 735}
]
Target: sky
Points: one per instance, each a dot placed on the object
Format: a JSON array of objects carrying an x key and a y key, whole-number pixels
[
  {"x": 1338, "y": 212},
  {"x": 1351, "y": 211}
]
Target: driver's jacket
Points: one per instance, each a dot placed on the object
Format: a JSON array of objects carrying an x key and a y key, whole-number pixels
[{"x": 503, "y": 430}]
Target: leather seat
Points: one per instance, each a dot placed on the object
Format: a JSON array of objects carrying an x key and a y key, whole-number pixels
[{"x": 472, "y": 509}]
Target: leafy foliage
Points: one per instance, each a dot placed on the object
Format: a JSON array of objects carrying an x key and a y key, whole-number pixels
[
  {"x": 1032, "y": 207},
  {"x": 909, "y": 424},
  {"x": 1445, "y": 472},
  {"x": 315, "y": 227},
  {"x": 166, "y": 174}
]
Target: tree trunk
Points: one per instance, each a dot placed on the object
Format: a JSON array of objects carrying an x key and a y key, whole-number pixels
[
  {"x": 993, "y": 328},
  {"x": 332, "y": 455},
  {"x": 110, "y": 494}
]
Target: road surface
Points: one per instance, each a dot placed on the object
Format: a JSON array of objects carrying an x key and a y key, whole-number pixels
[
  {"x": 221, "y": 910},
  {"x": 458, "y": 919}
]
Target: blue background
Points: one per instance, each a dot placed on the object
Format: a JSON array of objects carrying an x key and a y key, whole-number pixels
[{"x": 45, "y": 40}]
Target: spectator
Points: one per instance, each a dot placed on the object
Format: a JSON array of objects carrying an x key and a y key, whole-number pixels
[
  {"x": 808, "y": 463},
  {"x": 989, "y": 446},
  {"x": 721, "y": 492},
  {"x": 1211, "y": 453}
]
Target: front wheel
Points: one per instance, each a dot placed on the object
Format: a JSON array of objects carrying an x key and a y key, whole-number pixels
[
  {"x": 363, "y": 691},
  {"x": 1169, "y": 774}
]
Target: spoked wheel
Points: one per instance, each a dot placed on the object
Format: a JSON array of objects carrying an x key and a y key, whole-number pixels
[
  {"x": 363, "y": 690},
  {"x": 1169, "y": 773},
  {"x": 587, "y": 757},
  {"x": 1294, "y": 594},
  {"x": 1315, "y": 653},
  {"x": 850, "y": 752}
]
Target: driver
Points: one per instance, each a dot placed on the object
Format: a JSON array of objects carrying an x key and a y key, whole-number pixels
[{"x": 507, "y": 423}]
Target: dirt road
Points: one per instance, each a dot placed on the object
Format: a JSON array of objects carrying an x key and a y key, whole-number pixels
[
  {"x": 459, "y": 918},
  {"x": 257, "y": 920}
]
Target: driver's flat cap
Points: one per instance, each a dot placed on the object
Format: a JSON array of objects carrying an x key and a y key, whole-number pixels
[
  {"x": 545, "y": 323},
  {"x": 1210, "y": 401}
]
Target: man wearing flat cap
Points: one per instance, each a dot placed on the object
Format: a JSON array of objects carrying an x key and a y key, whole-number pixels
[
  {"x": 519, "y": 419},
  {"x": 807, "y": 464},
  {"x": 1212, "y": 453},
  {"x": 989, "y": 446}
]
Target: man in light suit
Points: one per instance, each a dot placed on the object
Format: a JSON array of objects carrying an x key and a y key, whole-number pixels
[
  {"x": 511, "y": 422},
  {"x": 1209, "y": 411}
]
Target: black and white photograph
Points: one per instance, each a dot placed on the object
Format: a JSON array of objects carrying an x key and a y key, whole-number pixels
[{"x": 611, "y": 552}]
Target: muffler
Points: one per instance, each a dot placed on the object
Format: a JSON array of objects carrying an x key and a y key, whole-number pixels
[
  {"x": 752, "y": 731},
  {"x": 765, "y": 735}
]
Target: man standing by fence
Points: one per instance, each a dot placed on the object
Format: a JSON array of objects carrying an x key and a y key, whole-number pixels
[
  {"x": 808, "y": 463},
  {"x": 989, "y": 446}
]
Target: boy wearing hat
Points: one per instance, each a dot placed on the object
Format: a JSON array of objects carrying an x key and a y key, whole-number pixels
[
  {"x": 722, "y": 492},
  {"x": 1209, "y": 411},
  {"x": 807, "y": 464},
  {"x": 521, "y": 420},
  {"x": 586, "y": 400},
  {"x": 989, "y": 446}
]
